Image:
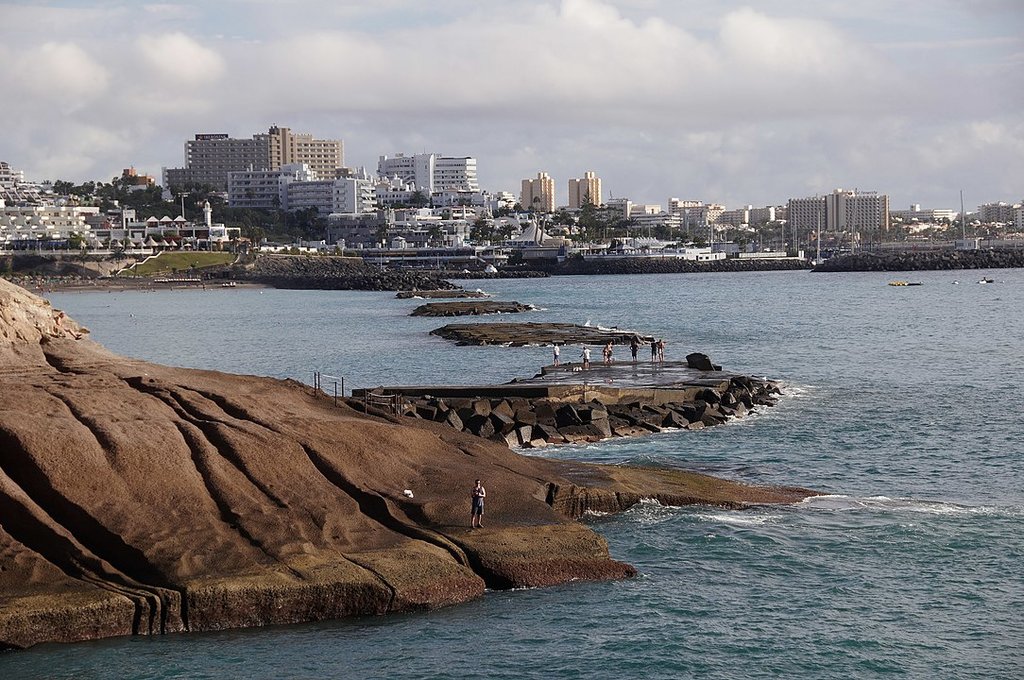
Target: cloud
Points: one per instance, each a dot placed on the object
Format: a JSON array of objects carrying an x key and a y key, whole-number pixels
[
  {"x": 719, "y": 101},
  {"x": 61, "y": 74},
  {"x": 177, "y": 59}
]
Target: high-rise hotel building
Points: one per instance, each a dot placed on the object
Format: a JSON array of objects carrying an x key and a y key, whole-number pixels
[
  {"x": 583, "y": 191},
  {"x": 210, "y": 157},
  {"x": 538, "y": 193},
  {"x": 865, "y": 212}
]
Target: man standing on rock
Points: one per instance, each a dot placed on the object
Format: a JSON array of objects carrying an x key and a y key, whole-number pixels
[
  {"x": 585, "y": 354},
  {"x": 478, "y": 505},
  {"x": 554, "y": 353}
]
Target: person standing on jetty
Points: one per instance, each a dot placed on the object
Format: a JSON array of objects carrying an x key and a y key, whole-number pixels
[
  {"x": 654, "y": 351},
  {"x": 586, "y": 357},
  {"x": 554, "y": 354},
  {"x": 661, "y": 351},
  {"x": 479, "y": 493},
  {"x": 634, "y": 347}
]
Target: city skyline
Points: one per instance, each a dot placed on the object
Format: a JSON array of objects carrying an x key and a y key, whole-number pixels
[{"x": 726, "y": 104}]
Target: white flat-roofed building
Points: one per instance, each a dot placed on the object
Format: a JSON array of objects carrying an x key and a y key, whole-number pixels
[
  {"x": 317, "y": 194},
  {"x": 394, "y": 191},
  {"x": 989, "y": 213},
  {"x": 431, "y": 172},
  {"x": 354, "y": 195},
  {"x": 265, "y": 189},
  {"x": 735, "y": 217},
  {"x": 925, "y": 215},
  {"x": 23, "y": 224}
]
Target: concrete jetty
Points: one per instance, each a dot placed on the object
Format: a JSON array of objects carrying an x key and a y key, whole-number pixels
[{"x": 567, "y": 403}]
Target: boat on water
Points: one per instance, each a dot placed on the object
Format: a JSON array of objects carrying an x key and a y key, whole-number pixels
[
  {"x": 906, "y": 283},
  {"x": 986, "y": 279}
]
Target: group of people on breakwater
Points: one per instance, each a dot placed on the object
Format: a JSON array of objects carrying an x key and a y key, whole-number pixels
[{"x": 607, "y": 353}]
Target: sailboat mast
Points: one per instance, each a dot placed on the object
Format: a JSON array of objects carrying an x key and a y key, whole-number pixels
[
  {"x": 817, "y": 255},
  {"x": 963, "y": 215}
]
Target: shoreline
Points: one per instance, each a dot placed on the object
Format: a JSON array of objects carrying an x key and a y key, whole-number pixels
[{"x": 241, "y": 501}]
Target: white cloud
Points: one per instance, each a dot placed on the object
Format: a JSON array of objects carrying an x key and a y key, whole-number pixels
[
  {"x": 178, "y": 59},
  {"x": 60, "y": 74},
  {"x": 715, "y": 101}
]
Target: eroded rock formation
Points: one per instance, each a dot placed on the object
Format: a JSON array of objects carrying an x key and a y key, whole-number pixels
[{"x": 138, "y": 498}]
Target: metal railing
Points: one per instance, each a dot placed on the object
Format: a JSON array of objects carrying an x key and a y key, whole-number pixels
[
  {"x": 392, "y": 402},
  {"x": 333, "y": 384}
]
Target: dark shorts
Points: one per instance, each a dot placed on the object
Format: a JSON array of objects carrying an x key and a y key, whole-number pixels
[{"x": 478, "y": 506}]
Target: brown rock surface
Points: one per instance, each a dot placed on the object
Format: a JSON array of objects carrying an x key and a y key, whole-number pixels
[
  {"x": 470, "y": 308},
  {"x": 138, "y": 498},
  {"x": 520, "y": 334}
]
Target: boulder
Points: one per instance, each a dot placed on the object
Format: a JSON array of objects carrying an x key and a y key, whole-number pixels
[{"x": 701, "y": 362}]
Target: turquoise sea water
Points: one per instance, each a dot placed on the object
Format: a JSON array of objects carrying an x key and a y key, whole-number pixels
[{"x": 905, "y": 405}]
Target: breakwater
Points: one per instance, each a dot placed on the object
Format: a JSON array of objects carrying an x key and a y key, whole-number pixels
[
  {"x": 924, "y": 261},
  {"x": 577, "y": 265},
  {"x": 334, "y": 273},
  {"x": 569, "y": 403}
]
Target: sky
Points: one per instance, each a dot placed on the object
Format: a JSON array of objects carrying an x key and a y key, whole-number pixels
[{"x": 729, "y": 102}]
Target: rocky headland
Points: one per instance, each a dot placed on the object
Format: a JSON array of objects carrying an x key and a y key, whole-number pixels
[
  {"x": 924, "y": 261},
  {"x": 139, "y": 498}
]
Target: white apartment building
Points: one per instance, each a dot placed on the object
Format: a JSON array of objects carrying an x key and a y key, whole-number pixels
[
  {"x": 996, "y": 212},
  {"x": 317, "y": 194},
  {"x": 431, "y": 172},
  {"x": 735, "y": 217},
  {"x": 394, "y": 191},
  {"x": 583, "y": 191},
  {"x": 354, "y": 195},
  {"x": 695, "y": 213},
  {"x": 265, "y": 189},
  {"x": 27, "y": 224},
  {"x": 636, "y": 209},
  {"x": 538, "y": 193},
  {"x": 926, "y": 215}
]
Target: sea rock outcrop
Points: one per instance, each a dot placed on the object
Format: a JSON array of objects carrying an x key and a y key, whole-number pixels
[
  {"x": 470, "y": 308},
  {"x": 538, "y": 333},
  {"x": 139, "y": 498}
]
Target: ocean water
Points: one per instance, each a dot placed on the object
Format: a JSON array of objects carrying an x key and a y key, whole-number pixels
[{"x": 904, "y": 405}]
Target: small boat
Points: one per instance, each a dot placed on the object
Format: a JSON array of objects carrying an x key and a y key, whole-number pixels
[
  {"x": 228, "y": 284},
  {"x": 906, "y": 283},
  {"x": 986, "y": 280}
]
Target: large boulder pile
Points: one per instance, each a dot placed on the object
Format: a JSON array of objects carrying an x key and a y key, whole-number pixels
[
  {"x": 533, "y": 423},
  {"x": 924, "y": 261},
  {"x": 325, "y": 272}
]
